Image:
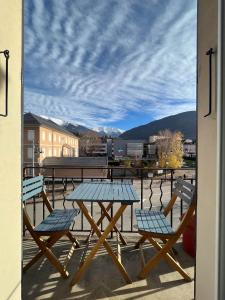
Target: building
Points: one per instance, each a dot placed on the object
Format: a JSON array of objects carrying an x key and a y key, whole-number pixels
[
  {"x": 76, "y": 167},
  {"x": 44, "y": 138},
  {"x": 99, "y": 149},
  {"x": 189, "y": 148},
  {"x": 135, "y": 150},
  {"x": 119, "y": 148}
]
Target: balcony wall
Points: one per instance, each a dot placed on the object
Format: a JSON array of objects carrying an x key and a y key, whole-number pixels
[
  {"x": 208, "y": 150},
  {"x": 10, "y": 151}
]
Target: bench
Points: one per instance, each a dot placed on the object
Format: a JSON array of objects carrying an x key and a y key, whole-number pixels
[
  {"x": 53, "y": 227},
  {"x": 154, "y": 226}
]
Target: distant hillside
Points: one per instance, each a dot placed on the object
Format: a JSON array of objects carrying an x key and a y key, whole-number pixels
[
  {"x": 184, "y": 122},
  {"x": 78, "y": 129}
]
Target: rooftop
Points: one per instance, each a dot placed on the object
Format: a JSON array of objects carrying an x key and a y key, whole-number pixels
[{"x": 32, "y": 119}]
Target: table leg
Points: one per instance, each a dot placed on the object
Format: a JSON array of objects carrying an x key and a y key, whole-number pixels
[
  {"x": 99, "y": 222},
  {"x": 109, "y": 219},
  {"x": 102, "y": 240}
]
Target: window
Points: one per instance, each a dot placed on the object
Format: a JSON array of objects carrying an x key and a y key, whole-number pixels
[
  {"x": 49, "y": 152},
  {"x": 54, "y": 137},
  {"x": 30, "y": 153},
  {"x": 30, "y": 135},
  {"x": 59, "y": 139},
  {"x": 50, "y": 137},
  {"x": 43, "y": 135},
  {"x": 55, "y": 152}
]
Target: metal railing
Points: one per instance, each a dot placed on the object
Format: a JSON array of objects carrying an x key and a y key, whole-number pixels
[{"x": 155, "y": 187}]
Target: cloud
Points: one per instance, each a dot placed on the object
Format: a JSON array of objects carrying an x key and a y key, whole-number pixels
[{"x": 95, "y": 62}]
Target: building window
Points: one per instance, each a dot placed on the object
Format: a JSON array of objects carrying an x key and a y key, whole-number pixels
[
  {"x": 55, "y": 152},
  {"x": 43, "y": 135},
  {"x": 30, "y": 135},
  {"x": 59, "y": 139},
  {"x": 54, "y": 137},
  {"x": 50, "y": 137},
  {"x": 29, "y": 153},
  {"x": 49, "y": 152}
]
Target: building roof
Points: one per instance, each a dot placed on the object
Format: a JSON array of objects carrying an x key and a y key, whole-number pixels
[
  {"x": 76, "y": 161},
  {"x": 32, "y": 119}
]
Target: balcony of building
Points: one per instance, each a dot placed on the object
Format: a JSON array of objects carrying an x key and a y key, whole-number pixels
[{"x": 102, "y": 280}]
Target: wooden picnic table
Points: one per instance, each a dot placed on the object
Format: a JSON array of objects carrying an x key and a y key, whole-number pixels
[{"x": 103, "y": 192}]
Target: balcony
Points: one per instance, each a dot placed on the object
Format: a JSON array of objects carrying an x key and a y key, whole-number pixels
[{"x": 102, "y": 280}]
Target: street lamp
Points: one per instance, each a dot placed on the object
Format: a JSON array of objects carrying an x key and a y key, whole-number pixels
[{"x": 35, "y": 150}]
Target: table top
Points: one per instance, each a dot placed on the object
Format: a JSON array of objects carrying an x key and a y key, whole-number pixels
[{"x": 104, "y": 192}]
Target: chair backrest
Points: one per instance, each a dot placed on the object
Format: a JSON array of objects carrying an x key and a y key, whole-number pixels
[
  {"x": 184, "y": 190},
  {"x": 32, "y": 187}
]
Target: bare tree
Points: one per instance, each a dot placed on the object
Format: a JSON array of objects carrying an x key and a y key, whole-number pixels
[
  {"x": 170, "y": 149},
  {"x": 87, "y": 143}
]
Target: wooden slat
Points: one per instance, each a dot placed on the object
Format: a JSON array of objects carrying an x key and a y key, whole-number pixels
[
  {"x": 152, "y": 221},
  {"x": 32, "y": 180},
  {"x": 184, "y": 197},
  {"x": 105, "y": 192},
  {"x": 58, "y": 220},
  {"x": 32, "y": 193},
  {"x": 32, "y": 187}
]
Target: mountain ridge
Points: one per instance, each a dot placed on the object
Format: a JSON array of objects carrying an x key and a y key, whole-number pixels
[{"x": 184, "y": 122}]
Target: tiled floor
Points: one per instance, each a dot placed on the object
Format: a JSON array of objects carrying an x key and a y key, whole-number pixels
[{"x": 103, "y": 280}]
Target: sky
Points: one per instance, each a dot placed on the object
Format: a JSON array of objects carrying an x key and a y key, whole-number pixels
[{"x": 115, "y": 63}]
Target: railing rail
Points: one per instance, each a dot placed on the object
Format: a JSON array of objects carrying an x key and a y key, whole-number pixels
[{"x": 154, "y": 185}]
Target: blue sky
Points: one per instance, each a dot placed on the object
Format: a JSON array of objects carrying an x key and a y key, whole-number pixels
[{"x": 116, "y": 63}]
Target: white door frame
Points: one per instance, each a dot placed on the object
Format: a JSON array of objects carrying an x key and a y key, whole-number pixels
[{"x": 221, "y": 126}]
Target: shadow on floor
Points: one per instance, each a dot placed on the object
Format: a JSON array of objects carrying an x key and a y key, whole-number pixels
[{"x": 102, "y": 279}]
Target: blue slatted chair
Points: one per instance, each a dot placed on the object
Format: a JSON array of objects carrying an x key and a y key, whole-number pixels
[
  {"x": 53, "y": 227},
  {"x": 154, "y": 226}
]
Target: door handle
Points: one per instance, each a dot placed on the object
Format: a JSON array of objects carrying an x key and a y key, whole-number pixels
[
  {"x": 6, "y": 55},
  {"x": 210, "y": 52}
]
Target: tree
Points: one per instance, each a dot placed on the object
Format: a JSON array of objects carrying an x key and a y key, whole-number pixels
[
  {"x": 87, "y": 143},
  {"x": 170, "y": 149}
]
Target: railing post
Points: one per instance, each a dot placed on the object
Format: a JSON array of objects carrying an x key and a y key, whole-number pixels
[
  {"x": 53, "y": 187},
  {"x": 111, "y": 175},
  {"x": 141, "y": 188},
  {"x": 171, "y": 193},
  {"x": 82, "y": 174}
]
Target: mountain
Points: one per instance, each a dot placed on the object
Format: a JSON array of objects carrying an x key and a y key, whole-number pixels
[
  {"x": 78, "y": 129},
  {"x": 184, "y": 122},
  {"x": 109, "y": 131}
]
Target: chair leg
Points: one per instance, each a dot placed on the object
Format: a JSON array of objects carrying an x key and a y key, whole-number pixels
[
  {"x": 141, "y": 241},
  {"x": 45, "y": 250},
  {"x": 73, "y": 239},
  {"x": 49, "y": 243},
  {"x": 171, "y": 261},
  {"x": 53, "y": 259},
  {"x": 162, "y": 253}
]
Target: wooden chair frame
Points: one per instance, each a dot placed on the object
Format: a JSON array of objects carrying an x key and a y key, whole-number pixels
[
  {"x": 45, "y": 245},
  {"x": 186, "y": 192}
]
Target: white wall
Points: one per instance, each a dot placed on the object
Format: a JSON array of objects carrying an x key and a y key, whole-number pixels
[
  {"x": 10, "y": 154},
  {"x": 206, "y": 266}
]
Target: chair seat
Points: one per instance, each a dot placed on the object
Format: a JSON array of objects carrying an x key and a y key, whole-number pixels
[
  {"x": 58, "y": 220},
  {"x": 152, "y": 221}
]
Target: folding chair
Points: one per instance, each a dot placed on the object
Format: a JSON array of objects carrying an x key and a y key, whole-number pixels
[
  {"x": 54, "y": 226},
  {"x": 153, "y": 226}
]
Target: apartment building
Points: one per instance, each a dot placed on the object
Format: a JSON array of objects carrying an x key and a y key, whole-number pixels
[
  {"x": 44, "y": 138},
  {"x": 119, "y": 148}
]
